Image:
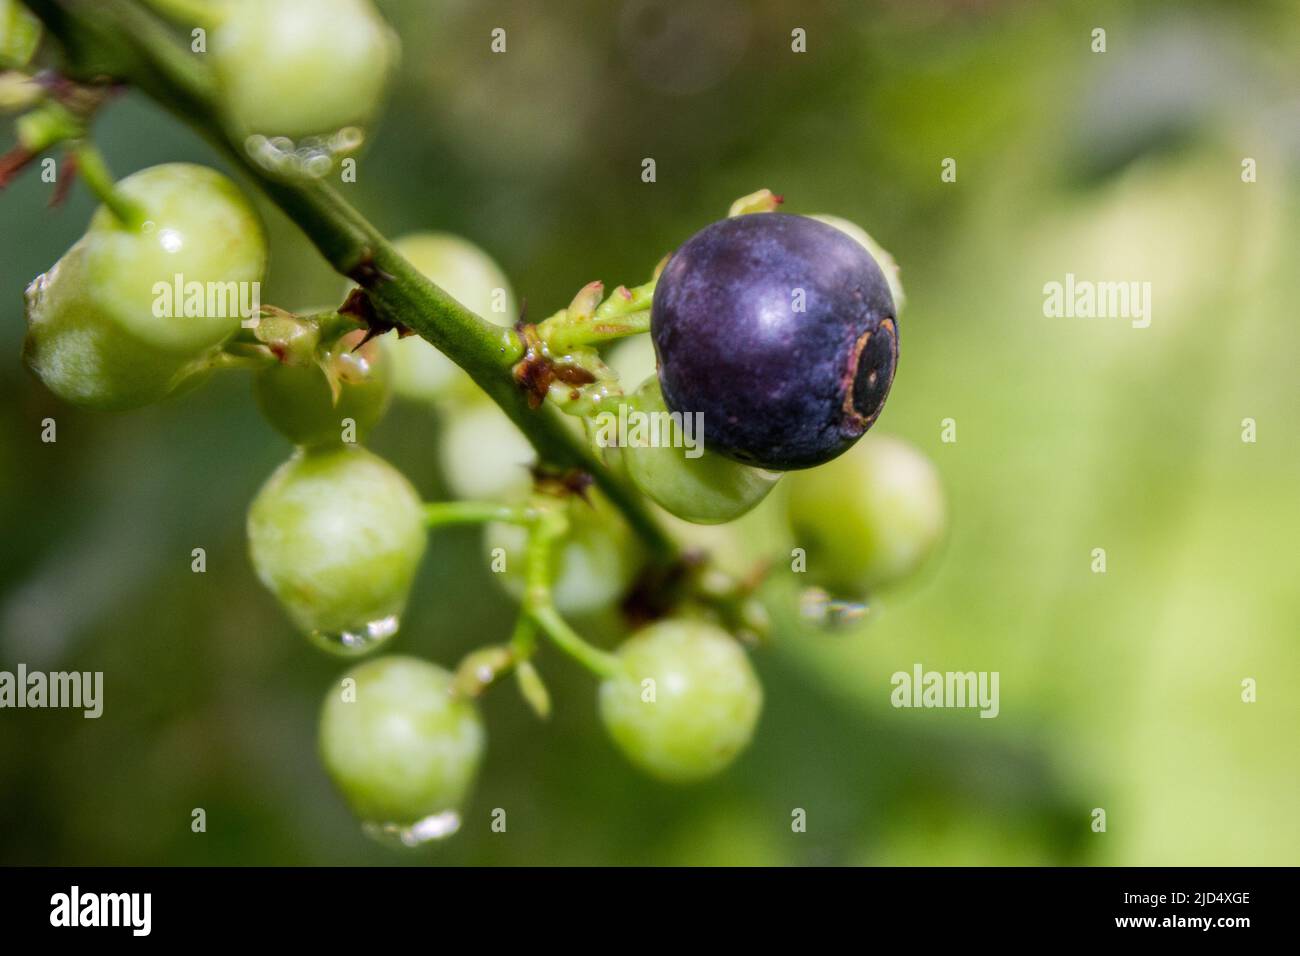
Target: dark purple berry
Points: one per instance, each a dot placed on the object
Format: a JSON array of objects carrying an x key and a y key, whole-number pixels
[{"x": 782, "y": 332}]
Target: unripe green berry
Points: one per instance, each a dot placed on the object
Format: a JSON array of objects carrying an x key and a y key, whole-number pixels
[
  {"x": 484, "y": 455},
  {"x": 299, "y": 402},
  {"x": 685, "y": 703},
  {"x": 196, "y": 225},
  {"x": 105, "y": 328},
  {"x": 337, "y": 535},
  {"x": 632, "y": 359},
  {"x": 20, "y": 34},
  {"x": 593, "y": 564},
  {"x": 299, "y": 68},
  {"x": 869, "y": 518},
  {"x": 706, "y": 489},
  {"x": 471, "y": 277},
  {"x": 80, "y": 353},
  {"x": 399, "y": 745}
]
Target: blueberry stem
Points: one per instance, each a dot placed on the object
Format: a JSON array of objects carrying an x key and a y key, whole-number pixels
[
  {"x": 625, "y": 312},
  {"x": 124, "y": 40}
]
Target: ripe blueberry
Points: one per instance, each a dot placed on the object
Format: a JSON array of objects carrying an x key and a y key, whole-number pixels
[{"x": 782, "y": 332}]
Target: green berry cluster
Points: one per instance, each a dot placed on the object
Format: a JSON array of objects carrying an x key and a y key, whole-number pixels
[{"x": 151, "y": 300}]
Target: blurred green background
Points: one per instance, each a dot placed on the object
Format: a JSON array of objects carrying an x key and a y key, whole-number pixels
[{"x": 1118, "y": 690}]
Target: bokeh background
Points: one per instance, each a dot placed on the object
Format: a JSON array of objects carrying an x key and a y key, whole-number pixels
[{"x": 1119, "y": 690}]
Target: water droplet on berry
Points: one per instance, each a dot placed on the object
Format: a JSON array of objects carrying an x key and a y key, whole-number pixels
[
  {"x": 348, "y": 139},
  {"x": 821, "y": 610},
  {"x": 422, "y": 832},
  {"x": 354, "y": 641}
]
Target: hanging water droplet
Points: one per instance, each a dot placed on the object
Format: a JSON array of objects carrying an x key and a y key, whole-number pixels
[
  {"x": 821, "y": 610},
  {"x": 357, "y": 640},
  {"x": 347, "y": 140},
  {"x": 313, "y": 156},
  {"x": 318, "y": 165},
  {"x": 428, "y": 830}
]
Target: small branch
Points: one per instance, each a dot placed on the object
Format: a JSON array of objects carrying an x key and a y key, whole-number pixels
[
  {"x": 441, "y": 514},
  {"x": 626, "y": 312},
  {"x": 600, "y": 663},
  {"x": 538, "y": 604},
  {"x": 95, "y": 174}
]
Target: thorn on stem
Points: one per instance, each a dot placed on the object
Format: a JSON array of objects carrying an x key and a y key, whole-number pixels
[
  {"x": 359, "y": 306},
  {"x": 573, "y": 481},
  {"x": 366, "y": 273}
]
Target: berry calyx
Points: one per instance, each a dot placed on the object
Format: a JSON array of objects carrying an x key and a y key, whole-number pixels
[
  {"x": 781, "y": 331},
  {"x": 682, "y": 476},
  {"x": 336, "y": 397},
  {"x": 300, "y": 68},
  {"x": 401, "y": 747},
  {"x": 336, "y": 534},
  {"x": 868, "y": 519},
  {"x": 131, "y": 311},
  {"x": 686, "y": 702}
]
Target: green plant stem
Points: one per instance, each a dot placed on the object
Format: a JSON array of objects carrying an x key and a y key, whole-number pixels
[
  {"x": 189, "y": 13},
  {"x": 599, "y": 662},
  {"x": 246, "y": 359},
  {"x": 95, "y": 174},
  {"x": 523, "y": 640},
  {"x": 121, "y": 39},
  {"x": 539, "y": 607},
  {"x": 626, "y": 312},
  {"x": 440, "y": 514}
]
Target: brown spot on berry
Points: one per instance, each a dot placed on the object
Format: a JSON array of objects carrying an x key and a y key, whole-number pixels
[{"x": 875, "y": 356}]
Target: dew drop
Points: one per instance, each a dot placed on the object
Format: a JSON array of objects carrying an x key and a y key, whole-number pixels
[
  {"x": 422, "y": 832},
  {"x": 318, "y": 165},
  {"x": 347, "y": 140},
  {"x": 313, "y": 156},
  {"x": 354, "y": 641},
  {"x": 830, "y": 614}
]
